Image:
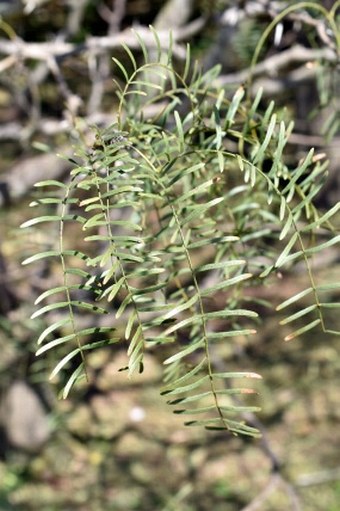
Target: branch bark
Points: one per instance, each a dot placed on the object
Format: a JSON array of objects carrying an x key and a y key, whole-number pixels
[
  {"x": 61, "y": 49},
  {"x": 276, "y": 63}
]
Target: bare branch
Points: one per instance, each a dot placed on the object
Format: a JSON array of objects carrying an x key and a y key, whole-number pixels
[
  {"x": 113, "y": 17},
  {"x": 20, "y": 179},
  {"x": 272, "y": 65},
  {"x": 75, "y": 16},
  {"x": 290, "y": 80},
  {"x": 61, "y": 49},
  {"x": 174, "y": 14},
  {"x": 269, "y": 8},
  {"x": 99, "y": 69}
]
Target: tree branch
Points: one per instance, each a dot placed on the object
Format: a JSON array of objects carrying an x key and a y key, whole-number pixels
[
  {"x": 275, "y": 63},
  {"x": 61, "y": 49}
]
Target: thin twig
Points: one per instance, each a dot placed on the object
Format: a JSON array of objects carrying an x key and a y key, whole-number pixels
[
  {"x": 99, "y": 69},
  {"x": 113, "y": 17},
  {"x": 75, "y": 16}
]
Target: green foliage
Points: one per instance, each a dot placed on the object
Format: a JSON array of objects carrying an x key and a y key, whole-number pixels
[{"x": 177, "y": 211}]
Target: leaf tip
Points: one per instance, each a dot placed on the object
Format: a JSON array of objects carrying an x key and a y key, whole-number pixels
[{"x": 253, "y": 375}]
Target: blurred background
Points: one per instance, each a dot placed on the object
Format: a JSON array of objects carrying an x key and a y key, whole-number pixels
[{"x": 114, "y": 444}]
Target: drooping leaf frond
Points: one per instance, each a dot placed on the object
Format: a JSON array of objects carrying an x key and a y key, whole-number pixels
[{"x": 176, "y": 212}]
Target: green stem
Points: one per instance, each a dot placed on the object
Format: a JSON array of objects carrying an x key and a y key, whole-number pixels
[
  {"x": 67, "y": 290},
  {"x": 196, "y": 286}
]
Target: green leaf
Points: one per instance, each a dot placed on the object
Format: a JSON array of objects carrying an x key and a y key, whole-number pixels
[
  {"x": 213, "y": 336},
  {"x": 72, "y": 354},
  {"x": 182, "y": 173},
  {"x": 48, "y": 308},
  {"x": 183, "y": 353},
  {"x": 268, "y": 113},
  {"x": 221, "y": 265},
  {"x": 61, "y": 364},
  {"x": 135, "y": 362},
  {"x": 78, "y": 334},
  {"x": 256, "y": 102},
  {"x": 199, "y": 210},
  {"x": 76, "y": 376},
  {"x": 299, "y": 171},
  {"x": 269, "y": 132},
  {"x": 136, "y": 92},
  {"x": 236, "y": 428},
  {"x": 282, "y": 209},
  {"x": 147, "y": 290},
  {"x": 239, "y": 374},
  {"x": 55, "y": 253},
  {"x": 186, "y": 377},
  {"x": 130, "y": 324},
  {"x": 130, "y": 54},
  {"x": 60, "y": 289},
  {"x": 54, "y": 326},
  {"x": 286, "y": 227},
  {"x": 286, "y": 251},
  {"x": 223, "y": 408},
  {"x": 328, "y": 287},
  {"x": 212, "y": 241},
  {"x": 323, "y": 219},
  {"x": 322, "y": 246},
  {"x": 194, "y": 191},
  {"x": 137, "y": 339},
  {"x": 158, "y": 43},
  {"x": 302, "y": 330},
  {"x": 179, "y": 130},
  {"x": 220, "y": 158},
  {"x": 331, "y": 305},
  {"x": 299, "y": 314},
  {"x": 41, "y": 255},
  {"x": 52, "y": 218},
  {"x": 294, "y": 298},
  {"x": 142, "y": 45},
  {"x": 177, "y": 309},
  {"x": 128, "y": 300},
  {"x": 181, "y": 324},
  {"x": 235, "y": 103},
  {"x": 53, "y": 200},
  {"x": 40, "y": 219},
  {"x": 186, "y": 388},
  {"x": 55, "y": 342},
  {"x": 187, "y": 63},
  {"x": 122, "y": 68},
  {"x": 226, "y": 283},
  {"x": 50, "y": 182},
  {"x": 147, "y": 85},
  {"x": 277, "y": 161},
  {"x": 73, "y": 303},
  {"x": 128, "y": 257},
  {"x": 230, "y": 313},
  {"x": 203, "y": 395}
]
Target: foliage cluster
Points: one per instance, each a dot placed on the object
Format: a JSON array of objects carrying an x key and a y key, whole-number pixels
[{"x": 180, "y": 212}]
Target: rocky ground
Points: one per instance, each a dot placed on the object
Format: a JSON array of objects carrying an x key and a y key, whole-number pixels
[{"x": 116, "y": 445}]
